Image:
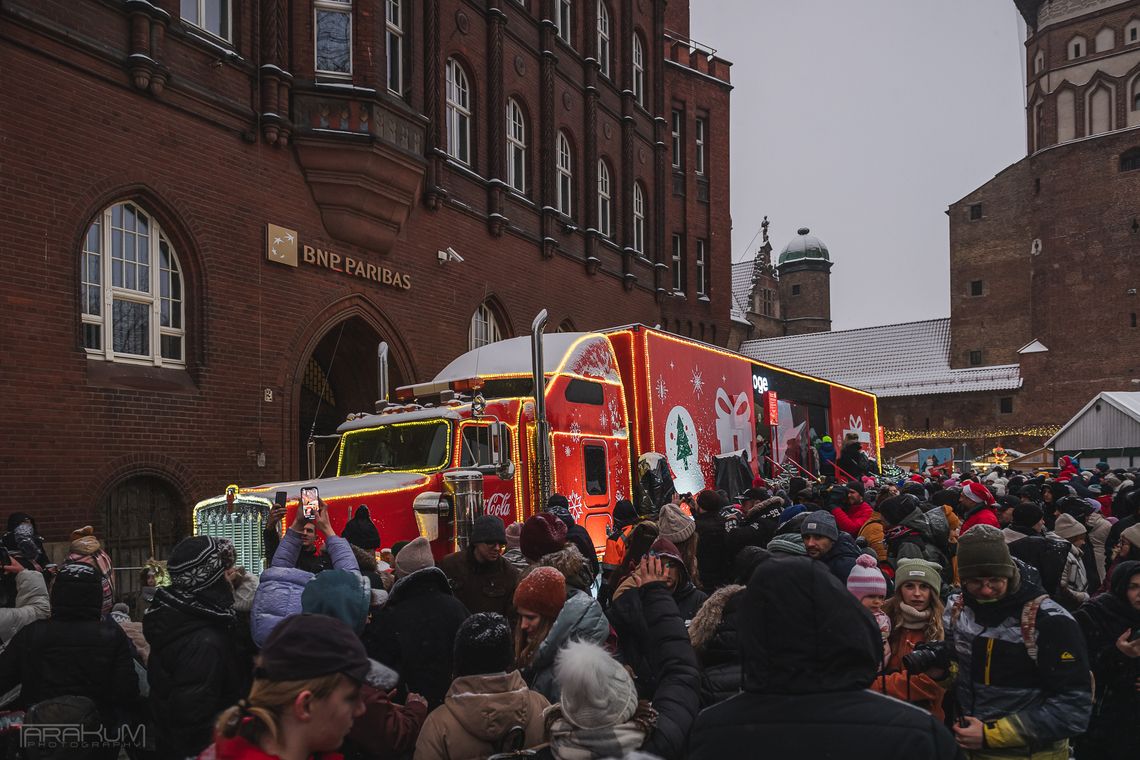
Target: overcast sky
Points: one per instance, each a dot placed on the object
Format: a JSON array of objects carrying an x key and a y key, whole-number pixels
[{"x": 864, "y": 120}]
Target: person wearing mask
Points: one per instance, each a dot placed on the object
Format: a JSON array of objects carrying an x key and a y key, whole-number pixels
[
  {"x": 194, "y": 669},
  {"x": 977, "y": 505},
  {"x": 1023, "y": 671},
  {"x": 824, "y": 543},
  {"x": 74, "y": 653},
  {"x": 550, "y": 615},
  {"x": 278, "y": 595},
  {"x": 414, "y": 632},
  {"x": 915, "y": 611},
  {"x": 479, "y": 575},
  {"x": 305, "y": 697},
  {"x": 1109, "y": 623},
  {"x": 488, "y": 708},
  {"x": 810, "y": 653},
  {"x": 600, "y": 715}
]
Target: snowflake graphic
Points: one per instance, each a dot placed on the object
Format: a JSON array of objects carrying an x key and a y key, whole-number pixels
[
  {"x": 698, "y": 382},
  {"x": 566, "y": 450},
  {"x": 576, "y": 505},
  {"x": 672, "y": 366},
  {"x": 723, "y": 379},
  {"x": 602, "y": 418},
  {"x": 615, "y": 415},
  {"x": 619, "y": 495},
  {"x": 662, "y": 391},
  {"x": 575, "y": 431}
]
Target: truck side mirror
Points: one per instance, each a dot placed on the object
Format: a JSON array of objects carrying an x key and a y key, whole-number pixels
[{"x": 500, "y": 436}]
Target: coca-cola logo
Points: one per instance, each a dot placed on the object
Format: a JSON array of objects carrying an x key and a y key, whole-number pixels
[{"x": 498, "y": 504}]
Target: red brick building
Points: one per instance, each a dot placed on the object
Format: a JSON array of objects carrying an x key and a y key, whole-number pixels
[
  {"x": 214, "y": 211},
  {"x": 1044, "y": 261}
]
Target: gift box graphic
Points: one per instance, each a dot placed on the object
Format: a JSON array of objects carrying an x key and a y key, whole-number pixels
[
  {"x": 855, "y": 426},
  {"x": 733, "y": 422}
]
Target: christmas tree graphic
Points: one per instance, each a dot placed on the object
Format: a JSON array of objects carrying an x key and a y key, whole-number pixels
[{"x": 684, "y": 450}]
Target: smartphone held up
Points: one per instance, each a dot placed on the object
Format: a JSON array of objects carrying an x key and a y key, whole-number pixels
[{"x": 310, "y": 503}]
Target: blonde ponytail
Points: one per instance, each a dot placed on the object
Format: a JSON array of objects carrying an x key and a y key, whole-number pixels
[{"x": 259, "y": 715}]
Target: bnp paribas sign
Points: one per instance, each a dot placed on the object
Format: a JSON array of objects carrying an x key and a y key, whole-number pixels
[{"x": 283, "y": 246}]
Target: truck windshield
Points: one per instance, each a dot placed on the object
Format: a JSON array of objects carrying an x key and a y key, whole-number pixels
[{"x": 402, "y": 447}]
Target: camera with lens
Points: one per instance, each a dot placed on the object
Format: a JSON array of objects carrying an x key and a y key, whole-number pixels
[{"x": 929, "y": 655}]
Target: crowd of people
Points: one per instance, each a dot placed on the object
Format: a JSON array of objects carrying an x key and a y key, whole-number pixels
[{"x": 981, "y": 615}]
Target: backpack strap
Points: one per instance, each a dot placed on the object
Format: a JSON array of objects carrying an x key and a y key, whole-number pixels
[{"x": 1029, "y": 625}]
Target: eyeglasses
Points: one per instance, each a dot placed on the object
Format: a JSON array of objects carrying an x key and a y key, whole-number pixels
[{"x": 991, "y": 583}]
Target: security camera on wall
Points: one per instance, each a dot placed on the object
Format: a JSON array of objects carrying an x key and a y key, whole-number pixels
[{"x": 449, "y": 254}]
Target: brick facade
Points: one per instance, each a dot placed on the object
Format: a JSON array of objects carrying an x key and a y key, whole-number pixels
[{"x": 213, "y": 139}]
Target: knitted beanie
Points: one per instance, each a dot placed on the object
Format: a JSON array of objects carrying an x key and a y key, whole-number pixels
[
  {"x": 866, "y": 579},
  {"x": 415, "y": 556},
  {"x": 983, "y": 553},
  {"x": 977, "y": 493},
  {"x": 1027, "y": 514},
  {"x": 488, "y": 529},
  {"x": 542, "y": 534},
  {"x": 788, "y": 543},
  {"x": 914, "y": 569},
  {"x": 597, "y": 692},
  {"x": 674, "y": 524},
  {"x": 483, "y": 645},
  {"x": 1068, "y": 528},
  {"x": 514, "y": 530},
  {"x": 820, "y": 523},
  {"x": 77, "y": 592},
  {"x": 340, "y": 594},
  {"x": 543, "y": 590}
]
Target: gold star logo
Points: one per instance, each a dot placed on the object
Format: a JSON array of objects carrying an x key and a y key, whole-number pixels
[{"x": 281, "y": 245}]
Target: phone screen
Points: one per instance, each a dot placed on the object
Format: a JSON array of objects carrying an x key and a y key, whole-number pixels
[
  {"x": 310, "y": 507},
  {"x": 279, "y": 498}
]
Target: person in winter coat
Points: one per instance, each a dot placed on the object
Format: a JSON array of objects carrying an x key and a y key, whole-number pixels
[
  {"x": 1087, "y": 513},
  {"x": 810, "y": 654},
  {"x": 31, "y": 602},
  {"x": 361, "y": 531},
  {"x": 306, "y": 695},
  {"x": 912, "y": 533},
  {"x": 514, "y": 554},
  {"x": 479, "y": 576},
  {"x": 627, "y": 616},
  {"x": 759, "y": 523},
  {"x": 1074, "y": 584},
  {"x": 868, "y": 584},
  {"x": 1045, "y": 552},
  {"x": 677, "y": 527},
  {"x": 1126, "y": 508},
  {"x": 1017, "y": 697},
  {"x": 849, "y": 510},
  {"x": 559, "y": 506},
  {"x": 74, "y": 653},
  {"x": 1108, "y": 622},
  {"x": 386, "y": 730},
  {"x": 85, "y": 548},
  {"x": 600, "y": 714},
  {"x": 853, "y": 463},
  {"x": 713, "y": 557},
  {"x": 824, "y": 542},
  {"x": 713, "y": 634},
  {"x": 915, "y": 611},
  {"x": 194, "y": 669},
  {"x": 308, "y": 558},
  {"x": 977, "y": 504},
  {"x": 826, "y": 457},
  {"x": 488, "y": 708},
  {"x": 549, "y": 615},
  {"x": 278, "y": 596},
  {"x": 1127, "y": 549},
  {"x": 414, "y": 633},
  {"x": 641, "y": 537},
  {"x": 873, "y": 531},
  {"x": 625, "y": 517},
  {"x": 544, "y": 543}
]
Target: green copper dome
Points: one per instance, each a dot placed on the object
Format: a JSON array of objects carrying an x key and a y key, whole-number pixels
[{"x": 803, "y": 246}]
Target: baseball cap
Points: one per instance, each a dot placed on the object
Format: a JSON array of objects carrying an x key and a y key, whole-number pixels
[{"x": 310, "y": 646}]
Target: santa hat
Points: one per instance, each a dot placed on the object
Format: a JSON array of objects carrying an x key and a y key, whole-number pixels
[{"x": 977, "y": 493}]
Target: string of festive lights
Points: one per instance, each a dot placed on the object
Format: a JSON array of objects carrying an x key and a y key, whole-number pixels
[{"x": 958, "y": 434}]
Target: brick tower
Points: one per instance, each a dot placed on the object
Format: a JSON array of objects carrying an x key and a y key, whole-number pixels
[{"x": 805, "y": 285}]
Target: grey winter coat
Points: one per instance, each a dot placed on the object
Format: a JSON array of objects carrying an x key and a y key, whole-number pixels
[{"x": 581, "y": 619}]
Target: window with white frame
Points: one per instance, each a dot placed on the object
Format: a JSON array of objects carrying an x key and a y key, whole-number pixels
[
  {"x": 394, "y": 31},
  {"x": 516, "y": 146},
  {"x": 604, "y": 198},
  {"x": 131, "y": 290},
  {"x": 565, "y": 175},
  {"x": 638, "y": 219},
  {"x": 563, "y": 21},
  {"x": 1078, "y": 47},
  {"x": 333, "y": 29},
  {"x": 603, "y": 38},
  {"x": 678, "y": 264},
  {"x": 458, "y": 112},
  {"x": 484, "y": 327},
  {"x": 638, "y": 70},
  {"x": 678, "y": 146},
  {"x": 211, "y": 16},
  {"x": 700, "y": 139},
  {"x": 702, "y": 269}
]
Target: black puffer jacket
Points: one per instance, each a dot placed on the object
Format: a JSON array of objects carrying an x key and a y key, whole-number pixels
[
  {"x": 715, "y": 639},
  {"x": 1112, "y": 731},
  {"x": 714, "y": 562},
  {"x": 194, "y": 672},
  {"x": 85, "y": 658},
  {"x": 414, "y": 634},
  {"x": 810, "y": 652}
]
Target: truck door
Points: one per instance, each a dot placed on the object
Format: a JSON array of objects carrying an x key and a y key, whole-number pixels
[
  {"x": 475, "y": 454},
  {"x": 596, "y": 501}
]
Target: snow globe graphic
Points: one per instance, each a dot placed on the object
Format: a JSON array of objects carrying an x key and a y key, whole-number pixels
[{"x": 682, "y": 450}]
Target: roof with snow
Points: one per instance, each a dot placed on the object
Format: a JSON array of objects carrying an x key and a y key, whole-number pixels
[
  {"x": 1111, "y": 420},
  {"x": 908, "y": 359},
  {"x": 741, "y": 289}
]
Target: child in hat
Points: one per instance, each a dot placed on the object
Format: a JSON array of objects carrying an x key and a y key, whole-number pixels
[{"x": 869, "y": 586}]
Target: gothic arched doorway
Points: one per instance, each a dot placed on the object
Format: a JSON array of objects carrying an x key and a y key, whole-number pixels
[{"x": 338, "y": 379}]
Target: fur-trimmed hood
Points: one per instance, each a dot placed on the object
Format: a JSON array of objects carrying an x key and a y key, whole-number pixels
[
  {"x": 711, "y": 614},
  {"x": 569, "y": 561}
]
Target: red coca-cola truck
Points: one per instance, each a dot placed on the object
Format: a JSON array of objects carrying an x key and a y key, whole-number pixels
[{"x": 477, "y": 439}]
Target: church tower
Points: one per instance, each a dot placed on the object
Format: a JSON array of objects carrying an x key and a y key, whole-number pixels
[{"x": 804, "y": 267}]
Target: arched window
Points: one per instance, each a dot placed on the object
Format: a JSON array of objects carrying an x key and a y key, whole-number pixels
[
  {"x": 1078, "y": 47},
  {"x": 1099, "y": 110},
  {"x": 638, "y": 219},
  {"x": 484, "y": 327},
  {"x": 1066, "y": 116},
  {"x": 638, "y": 70},
  {"x": 603, "y": 38},
  {"x": 1105, "y": 39},
  {"x": 565, "y": 174},
  {"x": 516, "y": 146},
  {"x": 604, "y": 199},
  {"x": 132, "y": 290},
  {"x": 458, "y": 112}
]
